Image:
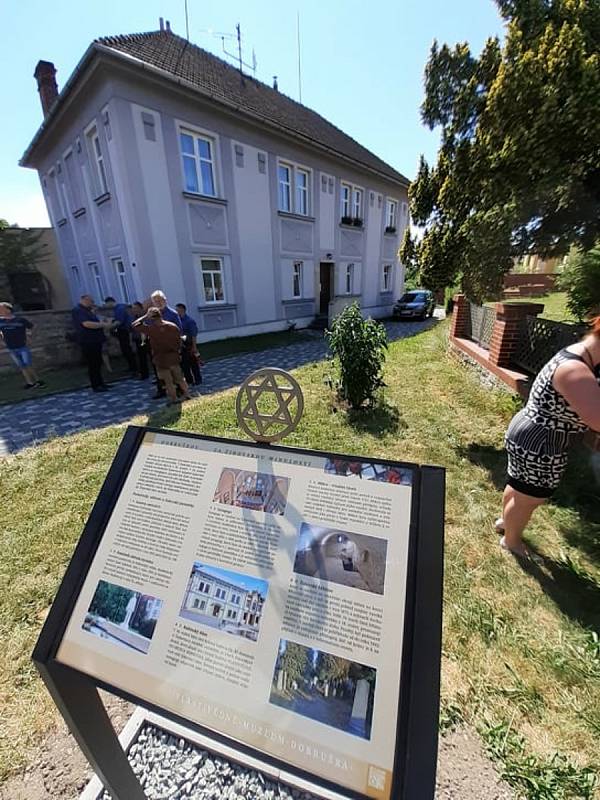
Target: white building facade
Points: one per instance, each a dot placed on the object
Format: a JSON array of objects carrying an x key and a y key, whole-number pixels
[{"x": 163, "y": 166}]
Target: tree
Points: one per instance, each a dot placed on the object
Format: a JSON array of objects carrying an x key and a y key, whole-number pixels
[
  {"x": 330, "y": 667},
  {"x": 110, "y": 601},
  {"x": 294, "y": 661},
  {"x": 580, "y": 279},
  {"x": 20, "y": 249},
  {"x": 518, "y": 168}
]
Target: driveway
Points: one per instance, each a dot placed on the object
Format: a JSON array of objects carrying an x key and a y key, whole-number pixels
[{"x": 32, "y": 421}]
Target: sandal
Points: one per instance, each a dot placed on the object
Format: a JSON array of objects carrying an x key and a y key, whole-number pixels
[{"x": 499, "y": 526}]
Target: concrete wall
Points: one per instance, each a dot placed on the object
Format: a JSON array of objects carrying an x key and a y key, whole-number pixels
[{"x": 160, "y": 231}]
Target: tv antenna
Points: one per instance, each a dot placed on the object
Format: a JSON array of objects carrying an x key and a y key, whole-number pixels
[{"x": 237, "y": 36}]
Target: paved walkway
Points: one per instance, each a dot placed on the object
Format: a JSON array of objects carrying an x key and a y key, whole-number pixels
[{"x": 33, "y": 421}]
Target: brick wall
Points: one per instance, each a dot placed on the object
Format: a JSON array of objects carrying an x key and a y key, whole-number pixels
[{"x": 49, "y": 343}]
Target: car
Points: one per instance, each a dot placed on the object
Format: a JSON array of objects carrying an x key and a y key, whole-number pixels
[{"x": 418, "y": 304}]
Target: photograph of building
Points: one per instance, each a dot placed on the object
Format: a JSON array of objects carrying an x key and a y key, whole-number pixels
[
  {"x": 369, "y": 471},
  {"x": 122, "y": 616},
  {"x": 163, "y": 165},
  {"x": 254, "y": 490},
  {"x": 350, "y": 559},
  {"x": 228, "y": 601},
  {"x": 326, "y": 688}
]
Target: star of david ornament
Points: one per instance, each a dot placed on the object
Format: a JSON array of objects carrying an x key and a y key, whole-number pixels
[{"x": 269, "y": 404}]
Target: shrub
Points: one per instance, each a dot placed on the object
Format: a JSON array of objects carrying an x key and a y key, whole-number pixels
[
  {"x": 359, "y": 346},
  {"x": 580, "y": 279}
]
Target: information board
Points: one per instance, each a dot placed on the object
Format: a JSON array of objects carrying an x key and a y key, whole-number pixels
[{"x": 262, "y": 593}]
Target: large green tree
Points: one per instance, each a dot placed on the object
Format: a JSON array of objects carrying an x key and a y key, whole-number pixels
[
  {"x": 20, "y": 249},
  {"x": 518, "y": 168}
]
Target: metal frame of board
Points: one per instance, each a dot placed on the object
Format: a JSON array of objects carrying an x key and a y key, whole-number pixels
[{"x": 76, "y": 694}]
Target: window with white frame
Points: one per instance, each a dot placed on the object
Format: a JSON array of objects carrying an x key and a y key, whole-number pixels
[
  {"x": 351, "y": 202},
  {"x": 98, "y": 160},
  {"x": 386, "y": 278},
  {"x": 198, "y": 161},
  {"x": 391, "y": 213},
  {"x": 212, "y": 280},
  {"x": 72, "y": 179},
  {"x": 294, "y": 189},
  {"x": 97, "y": 280},
  {"x": 297, "y": 279},
  {"x": 76, "y": 277},
  {"x": 349, "y": 278},
  {"x": 122, "y": 280},
  {"x": 54, "y": 198}
]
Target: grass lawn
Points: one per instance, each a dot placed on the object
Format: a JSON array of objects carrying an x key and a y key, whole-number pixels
[
  {"x": 555, "y": 306},
  {"x": 75, "y": 377},
  {"x": 521, "y": 653}
]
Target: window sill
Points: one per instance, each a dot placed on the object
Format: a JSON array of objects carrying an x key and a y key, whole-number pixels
[
  {"x": 291, "y": 215},
  {"x": 298, "y": 301},
  {"x": 394, "y": 234},
  {"x": 220, "y": 201},
  {"x": 385, "y": 293},
  {"x": 61, "y": 222},
  {"x": 220, "y": 305},
  {"x": 102, "y": 198},
  {"x": 79, "y": 212},
  {"x": 352, "y": 227}
]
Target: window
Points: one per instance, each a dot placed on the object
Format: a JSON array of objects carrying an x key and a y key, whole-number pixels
[
  {"x": 122, "y": 280},
  {"x": 349, "y": 278},
  {"x": 351, "y": 203},
  {"x": 72, "y": 182},
  {"x": 212, "y": 280},
  {"x": 97, "y": 280},
  {"x": 221, "y": 594},
  {"x": 386, "y": 283},
  {"x": 76, "y": 277},
  {"x": 294, "y": 189},
  {"x": 196, "y": 603},
  {"x": 391, "y": 210},
  {"x": 297, "y": 279},
  {"x": 197, "y": 155},
  {"x": 98, "y": 159},
  {"x": 285, "y": 195}
]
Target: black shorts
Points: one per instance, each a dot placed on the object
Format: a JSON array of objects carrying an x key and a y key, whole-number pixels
[{"x": 529, "y": 488}]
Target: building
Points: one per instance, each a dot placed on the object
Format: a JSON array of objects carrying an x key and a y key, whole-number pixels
[
  {"x": 215, "y": 601},
  {"x": 43, "y": 287},
  {"x": 164, "y": 166}
]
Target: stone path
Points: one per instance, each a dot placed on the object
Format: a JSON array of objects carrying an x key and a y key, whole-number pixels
[{"x": 32, "y": 421}]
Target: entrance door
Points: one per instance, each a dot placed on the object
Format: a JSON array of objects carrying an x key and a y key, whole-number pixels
[{"x": 325, "y": 279}]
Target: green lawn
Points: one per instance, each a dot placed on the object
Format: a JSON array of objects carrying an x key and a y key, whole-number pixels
[
  {"x": 75, "y": 377},
  {"x": 521, "y": 654},
  {"x": 555, "y": 306}
]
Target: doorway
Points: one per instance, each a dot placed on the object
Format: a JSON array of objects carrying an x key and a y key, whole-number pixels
[{"x": 325, "y": 281}]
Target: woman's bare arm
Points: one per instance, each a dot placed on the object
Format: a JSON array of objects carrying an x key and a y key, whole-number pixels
[{"x": 577, "y": 384}]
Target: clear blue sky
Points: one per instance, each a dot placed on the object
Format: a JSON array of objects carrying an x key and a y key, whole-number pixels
[{"x": 362, "y": 64}]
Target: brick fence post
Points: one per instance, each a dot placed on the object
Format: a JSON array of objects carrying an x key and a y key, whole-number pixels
[
  {"x": 460, "y": 317},
  {"x": 507, "y": 330}
]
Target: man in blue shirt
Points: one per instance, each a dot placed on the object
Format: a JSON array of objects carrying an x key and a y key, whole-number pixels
[
  {"x": 189, "y": 353},
  {"x": 13, "y": 332},
  {"x": 123, "y": 330},
  {"x": 90, "y": 335},
  {"x": 159, "y": 300}
]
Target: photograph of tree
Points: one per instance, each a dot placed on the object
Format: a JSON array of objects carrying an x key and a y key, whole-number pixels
[
  {"x": 368, "y": 471},
  {"x": 326, "y": 688},
  {"x": 254, "y": 490},
  {"x": 350, "y": 559},
  {"x": 122, "y": 616}
]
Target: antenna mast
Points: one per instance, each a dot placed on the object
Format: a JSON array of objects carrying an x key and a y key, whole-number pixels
[
  {"x": 239, "y": 38},
  {"x": 187, "y": 22},
  {"x": 299, "y": 64}
]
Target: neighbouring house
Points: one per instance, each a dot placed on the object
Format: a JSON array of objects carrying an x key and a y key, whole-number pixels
[
  {"x": 42, "y": 288},
  {"x": 164, "y": 166}
]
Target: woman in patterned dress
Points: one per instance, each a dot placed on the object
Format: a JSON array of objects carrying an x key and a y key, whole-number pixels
[{"x": 564, "y": 401}]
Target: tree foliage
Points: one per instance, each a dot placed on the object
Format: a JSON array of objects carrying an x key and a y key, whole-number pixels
[
  {"x": 110, "y": 601},
  {"x": 329, "y": 667},
  {"x": 518, "y": 169},
  {"x": 359, "y": 346},
  {"x": 20, "y": 249},
  {"x": 580, "y": 279},
  {"x": 294, "y": 661}
]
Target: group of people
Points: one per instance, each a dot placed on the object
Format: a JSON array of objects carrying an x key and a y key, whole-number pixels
[{"x": 158, "y": 333}]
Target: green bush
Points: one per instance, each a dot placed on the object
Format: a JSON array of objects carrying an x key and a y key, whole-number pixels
[
  {"x": 580, "y": 279},
  {"x": 359, "y": 346}
]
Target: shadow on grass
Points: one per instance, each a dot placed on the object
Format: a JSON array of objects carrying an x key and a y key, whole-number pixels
[
  {"x": 380, "y": 420},
  {"x": 573, "y": 591},
  {"x": 165, "y": 416}
]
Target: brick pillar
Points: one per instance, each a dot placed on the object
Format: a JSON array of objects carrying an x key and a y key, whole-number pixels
[
  {"x": 460, "y": 317},
  {"x": 507, "y": 330}
]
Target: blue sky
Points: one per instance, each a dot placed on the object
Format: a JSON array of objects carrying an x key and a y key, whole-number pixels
[{"x": 362, "y": 64}]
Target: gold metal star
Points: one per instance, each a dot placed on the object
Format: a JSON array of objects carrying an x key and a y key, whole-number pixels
[{"x": 274, "y": 387}]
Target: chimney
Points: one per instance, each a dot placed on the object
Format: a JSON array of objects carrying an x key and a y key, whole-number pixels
[
  {"x": 168, "y": 26},
  {"x": 44, "y": 75},
  {"x": 275, "y": 85},
  {"x": 161, "y": 23}
]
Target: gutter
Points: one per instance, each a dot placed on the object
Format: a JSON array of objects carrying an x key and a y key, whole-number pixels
[{"x": 96, "y": 48}]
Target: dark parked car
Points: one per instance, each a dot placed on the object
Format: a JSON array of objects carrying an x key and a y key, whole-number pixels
[{"x": 419, "y": 303}]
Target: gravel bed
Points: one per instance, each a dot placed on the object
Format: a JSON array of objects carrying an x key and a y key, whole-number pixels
[{"x": 170, "y": 768}]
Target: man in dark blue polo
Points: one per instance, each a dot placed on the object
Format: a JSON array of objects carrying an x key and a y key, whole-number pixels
[
  {"x": 14, "y": 331},
  {"x": 189, "y": 352},
  {"x": 122, "y": 330},
  {"x": 90, "y": 335}
]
